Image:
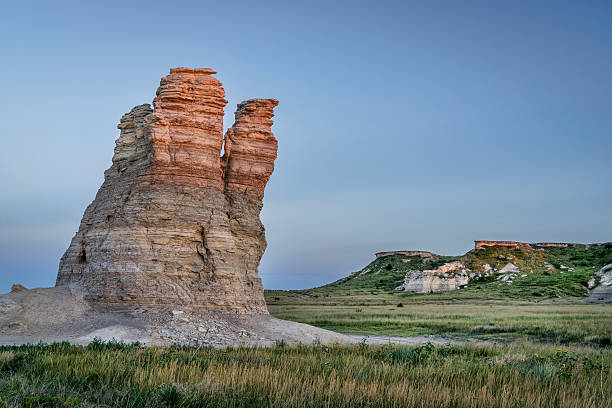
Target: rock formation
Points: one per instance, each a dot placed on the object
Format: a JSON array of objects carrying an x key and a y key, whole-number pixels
[
  {"x": 603, "y": 292},
  {"x": 168, "y": 250},
  {"x": 174, "y": 222},
  {"x": 515, "y": 244},
  {"x": 512, "y": 244},
  {"x": 450, "y": 276},
  {"x": 422, "y": 254},
  {"x": 552, "y": 244}
]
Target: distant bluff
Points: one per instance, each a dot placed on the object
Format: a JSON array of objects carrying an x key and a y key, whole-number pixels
[{"x": 507, "y": 268}]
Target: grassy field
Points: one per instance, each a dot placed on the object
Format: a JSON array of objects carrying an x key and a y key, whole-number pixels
[
  {"x": 545, "y": 303},
  {"x": 458, "y": 314},
  {"x": 548, "y": 348},
  {"x": 101, "y": 375}
]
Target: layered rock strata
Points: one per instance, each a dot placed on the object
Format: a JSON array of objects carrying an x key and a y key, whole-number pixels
[
  {"x": 450, "y": 276},
  {"x": 174, "y": 223},
  {"x": 511, "y": 244}
]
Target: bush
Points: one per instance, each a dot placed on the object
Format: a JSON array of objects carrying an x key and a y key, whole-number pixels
[
  {"x": 404, "y": 354},
  {"x": 99, "y": 345},
  {"x": 11, "y": 361},
  {"x": 170, "y": 395}
]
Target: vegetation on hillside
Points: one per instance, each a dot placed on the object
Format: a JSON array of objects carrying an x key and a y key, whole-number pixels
[
  {"x": 117, "y": 375},
  {"x": 388, "y": 272},
  {"x": 546, "y": 304},
  {"x": 549, "y": 272}
]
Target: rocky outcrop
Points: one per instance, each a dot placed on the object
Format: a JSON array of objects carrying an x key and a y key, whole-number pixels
[
  {"x": 509, "y": 269},
  {"x": 250, "y": 149},
  {"x": 511, "y": 244},
  {"x": 515, "y": 244},
  {"x": 18, "y": 288},
  {"x": 508, "y": 273},
  {"x": 174, "y": 223},
  {"x": 552, "y": 244},
  {"x": 603, "y": 292},
  {"x": 422, "y": 254},
  {"x": 450, "y": 276}
]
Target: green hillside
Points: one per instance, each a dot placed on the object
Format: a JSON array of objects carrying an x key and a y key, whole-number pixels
[
  {"x": 546, "y": 304},
  {"x": 388, "y": 272},
  {"x": 545, "y": 271}
]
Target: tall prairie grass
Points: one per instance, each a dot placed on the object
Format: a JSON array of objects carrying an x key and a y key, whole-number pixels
[{"x": 101, "y": 375}]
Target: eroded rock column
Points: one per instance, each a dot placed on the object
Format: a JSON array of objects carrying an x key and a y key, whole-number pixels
[{"x": 174, "y": 223}]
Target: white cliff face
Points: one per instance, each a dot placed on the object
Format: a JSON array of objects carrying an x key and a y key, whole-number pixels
[
  {"x": 508, "y": 273},
  {"x": 603, "y": 292},
  {"x": 454, "y": 275},
  {"x": 509, "y": 269},
  {"x": 450, "y": 276},
  {"x": 605, "y": 275}
]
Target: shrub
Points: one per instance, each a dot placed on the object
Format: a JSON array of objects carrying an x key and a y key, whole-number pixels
[
  {"x": 170, "y": 396},
  {"x": 11, "y": 361}
]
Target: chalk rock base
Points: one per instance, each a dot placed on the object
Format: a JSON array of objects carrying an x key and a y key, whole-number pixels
[{"x": 53, "y": 315}]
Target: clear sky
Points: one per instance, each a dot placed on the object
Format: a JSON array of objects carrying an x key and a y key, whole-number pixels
[{"x": 401, "y": 125}]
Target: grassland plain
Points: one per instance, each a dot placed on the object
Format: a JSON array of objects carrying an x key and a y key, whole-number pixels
[
  {"x": 544, "y": 304},
  {"x": 550, "y": 349},
  {"x": 117, "y": 375},
  {"x": 559, "y": 321}
]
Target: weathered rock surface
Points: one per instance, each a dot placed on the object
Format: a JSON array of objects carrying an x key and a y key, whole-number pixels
[
  {"x": 53, "y": 314},
  {"x": 174, "y": 222},
  {"x": 18, "y": 288},
  {"x": 603, "y": 292},
  {"x": 509, "y": 268},
  {"x": 450, "y": 276},
  {"x": 36, "y": 310}
]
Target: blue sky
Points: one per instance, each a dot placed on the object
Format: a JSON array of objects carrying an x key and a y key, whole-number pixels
[{"x": 401, "y": 125}]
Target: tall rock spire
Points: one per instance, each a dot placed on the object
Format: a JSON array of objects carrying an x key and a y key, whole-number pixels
[
  {"x": 250, "y": 148},
  {"x": 175, "y": 223}
]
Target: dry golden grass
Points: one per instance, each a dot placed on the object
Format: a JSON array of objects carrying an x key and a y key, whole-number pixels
[{"x": 518, "y": 375}]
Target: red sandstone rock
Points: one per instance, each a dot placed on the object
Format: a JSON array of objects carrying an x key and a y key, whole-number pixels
[
  {"x": 250, "y": 148},
  {"x": 16, "y": 288},
  {"x": 422, "y": 254},
  {"x": 186, "y": 129},
  {"x": 514, "y": 244}
]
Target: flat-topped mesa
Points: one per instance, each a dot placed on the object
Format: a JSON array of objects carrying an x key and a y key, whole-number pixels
[
  {"x": 250, "y": 148},
  {"x": 422, "y": 254},
  {"x": 173, "y": 223},
  {"x": 512, "y": 244},
  {"x": 552, "y": 244}
]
